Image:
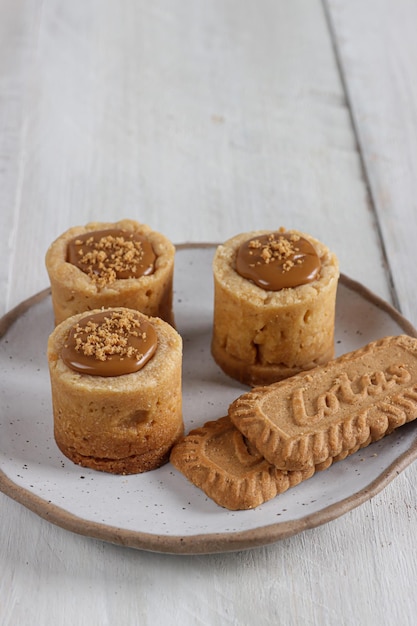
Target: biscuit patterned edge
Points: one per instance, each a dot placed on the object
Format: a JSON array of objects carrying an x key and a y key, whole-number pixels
[
  {"x": 258, "y": 485},
  {"x": 355, "y": 431}
]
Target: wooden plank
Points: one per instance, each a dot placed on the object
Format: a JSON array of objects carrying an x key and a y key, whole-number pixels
[
  {"x": 377, "y": 49},
  {"x": 18, "y": 32},
  {"x": 377, "y": 52},
  {"x": 227, "y": 119}
]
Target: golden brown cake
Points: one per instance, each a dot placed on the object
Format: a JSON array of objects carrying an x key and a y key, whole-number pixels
[
  {"x": 116, "y": 389},
  {"x": 274, "y": 305},
  {"x": 220, "y": 461},
  {"x": 103, "y": 265},
  {"x": 335, "y": 409}
]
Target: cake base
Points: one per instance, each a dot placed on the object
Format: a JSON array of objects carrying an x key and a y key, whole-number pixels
[
  {"x": 258, "y": 374},
  {"x": 135, "y": 464}
]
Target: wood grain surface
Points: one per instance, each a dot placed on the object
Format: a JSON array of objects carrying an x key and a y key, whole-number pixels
[{"x": 205, "y": 119}]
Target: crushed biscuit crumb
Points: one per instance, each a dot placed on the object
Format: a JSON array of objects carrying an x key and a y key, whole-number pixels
[
  {"x": 105, "y": 258},
  {"x": 277, "y": 248},
  {"x": 110, "y": 337}
]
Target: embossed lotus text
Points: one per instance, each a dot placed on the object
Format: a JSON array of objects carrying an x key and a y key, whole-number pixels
[
  {"x": 349, "y": 391},
  {"x": 332, "y": 411}
]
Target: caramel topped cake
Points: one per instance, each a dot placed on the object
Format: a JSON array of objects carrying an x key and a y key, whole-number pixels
[
  {"x": 274, "y": 305},
  {"x": 116, "y": 389},
  {"x": 103, "y": 265}
]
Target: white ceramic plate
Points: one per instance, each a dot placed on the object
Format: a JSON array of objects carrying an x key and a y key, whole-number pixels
[{"x": 160, "y": 510}]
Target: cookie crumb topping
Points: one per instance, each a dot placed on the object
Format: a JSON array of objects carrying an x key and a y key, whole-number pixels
[
  {"x": 110, "y": 343},
  {"x": 109, "y": 255},
  {"x": 110, "y": 337},
  {"x": 277, "y": 247},
  {"x": 278, "y": 260}
]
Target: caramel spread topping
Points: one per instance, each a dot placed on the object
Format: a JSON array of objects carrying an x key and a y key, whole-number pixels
[
  {"x": 108, "y": 255},
  {"x": 278, "y": 260},
  {"x": 109, "y": 343}
]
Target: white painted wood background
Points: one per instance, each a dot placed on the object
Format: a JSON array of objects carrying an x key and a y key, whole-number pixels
[{"x": 204, "y": 118}]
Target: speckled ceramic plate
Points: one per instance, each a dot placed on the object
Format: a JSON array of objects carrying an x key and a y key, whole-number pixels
[{"x": 160, "y": 511}]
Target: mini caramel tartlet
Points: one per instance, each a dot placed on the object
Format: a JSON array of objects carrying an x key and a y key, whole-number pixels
[
  {"x": 102, "y": 265},
  {"x": 274, "y": 305},
  {"x": 116, "y": 389}
]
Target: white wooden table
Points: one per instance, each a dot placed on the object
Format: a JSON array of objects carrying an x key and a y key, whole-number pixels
[{"x": 205, "y": 119}]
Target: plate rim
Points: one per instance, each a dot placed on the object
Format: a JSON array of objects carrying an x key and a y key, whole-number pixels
[{"x": 216, "y": 542}]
